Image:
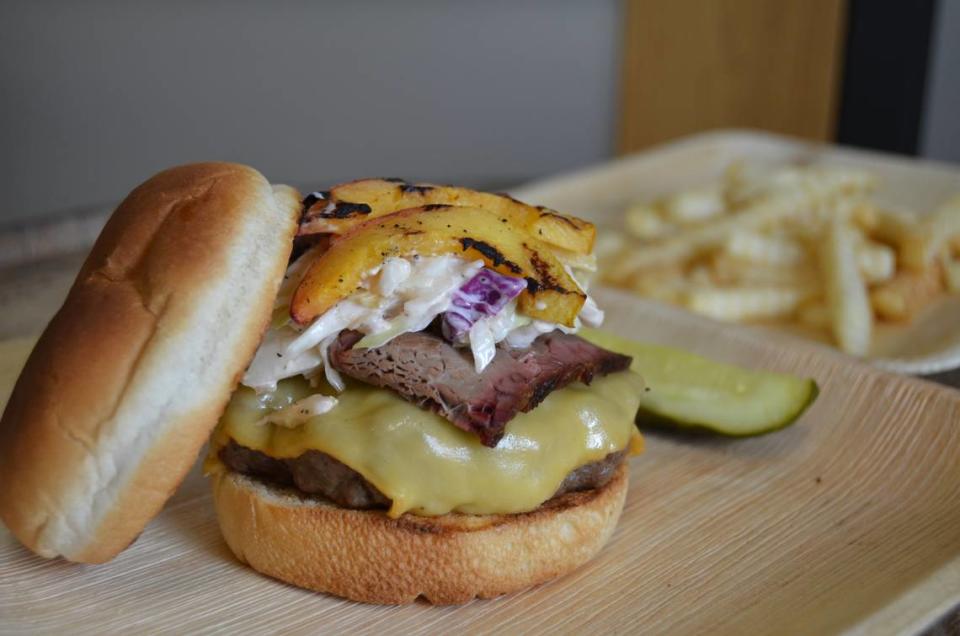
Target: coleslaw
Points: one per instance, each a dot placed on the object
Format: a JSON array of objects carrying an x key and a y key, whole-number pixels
[{"x": 406, "y": 295}]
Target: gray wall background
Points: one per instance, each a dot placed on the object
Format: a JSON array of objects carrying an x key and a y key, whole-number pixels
[{"x": 98, "y": 95}]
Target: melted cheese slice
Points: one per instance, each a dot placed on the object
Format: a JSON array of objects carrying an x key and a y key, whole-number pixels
[{"x": 427, "y": 466}]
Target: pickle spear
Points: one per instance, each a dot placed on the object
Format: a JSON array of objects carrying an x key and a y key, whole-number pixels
[{"x": 689, "y": 392}]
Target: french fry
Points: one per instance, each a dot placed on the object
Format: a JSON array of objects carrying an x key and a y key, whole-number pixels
[
  {"x": 731, "y": 270},
  {"x": 793, "y": 242},
  {"x": 712, "y": 233},
  {"x": 933, "y": 234},
  {"x": 850, "y": 314},
  {"x": 951, "y": 273},
  {"x": 694, "y": 205},
  {"x": 915, "y": 251},
  {"x": 946, "y": 221},
  {"x": 726, "y": 269},
  {"x": 751, "y": 182},
  {"x": 652, "y": 278},
  {"x": 661, "y": 283},
  {"x": 901, "y": 298},
  {"x": 876, "y": 261},
  {"x": 701, "y": 275},
  {"x": 864, "y": 216},
  {"x": 893, "y": 226},
  {"x": 775, "y": 250},
  {"x": 644, "y": 222},
  {"x": 608, "y": 243},
  {"x": 747, "y": 303},
  {"x": 803, "y": 193},
  {"x": 821, "y": 182}
]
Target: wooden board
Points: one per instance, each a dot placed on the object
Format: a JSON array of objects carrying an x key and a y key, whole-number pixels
[
  {"x": 690, "y": 66},
  {"x": 849, "y": 519}
]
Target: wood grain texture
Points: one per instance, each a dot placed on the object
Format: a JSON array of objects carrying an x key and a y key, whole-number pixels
[
  {"x": 848, "y": 519},
  {"x": 690, "y": 66}
]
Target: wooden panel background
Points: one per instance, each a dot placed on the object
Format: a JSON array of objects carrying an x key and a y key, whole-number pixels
[{"x": 692, "y": 65}]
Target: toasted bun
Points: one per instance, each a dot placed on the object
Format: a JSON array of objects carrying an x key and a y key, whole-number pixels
[
  {"x": 369, "y": 557},
  {"x": 131, "y": 375}
]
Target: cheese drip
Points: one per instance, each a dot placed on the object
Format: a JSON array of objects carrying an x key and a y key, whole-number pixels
[{"x": 427, "y": 466}]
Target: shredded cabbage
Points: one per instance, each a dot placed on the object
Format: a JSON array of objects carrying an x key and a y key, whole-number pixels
[
  {"x": 293, "y": 415},
  {"x": 399, "y": 296},
  {"x": 484, "y": 295}
]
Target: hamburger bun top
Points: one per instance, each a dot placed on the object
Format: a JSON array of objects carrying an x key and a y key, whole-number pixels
[{"x": 129, "y": 378}]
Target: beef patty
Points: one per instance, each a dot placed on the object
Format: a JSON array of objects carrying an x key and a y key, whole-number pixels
[
  {"x": 316, "y": 473},
  {"x": 430, "y": 372}
]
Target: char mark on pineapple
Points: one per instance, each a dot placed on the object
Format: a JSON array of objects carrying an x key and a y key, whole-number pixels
[
  {"x": 312, "y": 198},
  {"x": 344, "y": 210},
  {"x": 490, "y": 252},
  {"x": 407, "y": 187},
  {"x": 556, "y": 215},
  {"x": 411, "y": 188},
  {"x": 545, "y": 279},
  {"x": 425, "y": 369}
]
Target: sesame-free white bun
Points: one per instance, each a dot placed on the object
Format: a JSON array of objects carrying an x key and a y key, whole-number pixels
[
  {"x": 366, "y": 556},
  {"x": 129, "y": 378}
]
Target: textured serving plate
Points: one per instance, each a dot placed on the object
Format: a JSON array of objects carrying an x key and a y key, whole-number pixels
[
  {"x": 850, "y": 519},
  {"x": 930, "y": 344}
]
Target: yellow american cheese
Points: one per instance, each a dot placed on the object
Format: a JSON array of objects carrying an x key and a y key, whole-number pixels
[{"x": 427, "y": 466}]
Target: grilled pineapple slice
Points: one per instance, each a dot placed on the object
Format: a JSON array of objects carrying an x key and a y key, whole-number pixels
[
  {"x": 350, "y": 204},
  {"x": 551, "y": 294}
]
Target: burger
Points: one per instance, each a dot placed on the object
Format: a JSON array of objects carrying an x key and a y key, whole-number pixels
[{"x": 389, "y": 376}]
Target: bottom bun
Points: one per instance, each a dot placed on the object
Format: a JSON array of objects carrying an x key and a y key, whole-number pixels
[{"x": 367, "y": 556}]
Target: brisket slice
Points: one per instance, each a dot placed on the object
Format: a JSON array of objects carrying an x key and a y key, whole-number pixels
[
  {"x": 428, "y": 371},
  {"x": 316, "y": 473}
]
